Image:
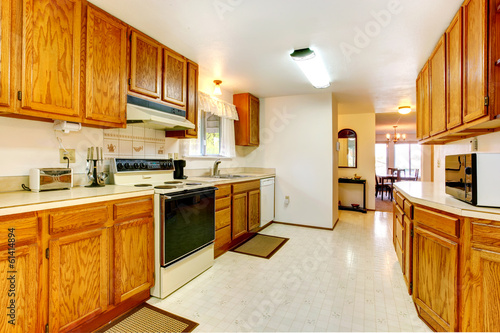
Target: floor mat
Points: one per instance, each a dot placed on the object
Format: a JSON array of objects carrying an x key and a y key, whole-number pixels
[{"x": 263, "y": 246}]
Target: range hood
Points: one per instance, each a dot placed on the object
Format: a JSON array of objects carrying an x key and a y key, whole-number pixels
[{"x": 157, "y": 116}]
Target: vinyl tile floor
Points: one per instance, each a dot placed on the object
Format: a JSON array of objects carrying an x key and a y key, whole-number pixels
[{"x": 346, "y": 280}]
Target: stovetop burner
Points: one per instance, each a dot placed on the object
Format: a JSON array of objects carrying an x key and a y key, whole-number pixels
[
  {"x": 193, "y": 183},
  {"x": 174, "y": 182},
  {"x": 143, "y": 185},
  {"x": 165, "y": 187}
]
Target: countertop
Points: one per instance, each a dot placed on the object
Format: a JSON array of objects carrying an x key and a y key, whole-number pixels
[
  {"x": 26, "y": 201},
  {"x": 433, "y": 195},
  {"x": 221, "y": 181}
]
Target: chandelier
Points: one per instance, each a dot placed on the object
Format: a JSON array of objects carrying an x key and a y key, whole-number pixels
[{"x": 396, "y": 137}]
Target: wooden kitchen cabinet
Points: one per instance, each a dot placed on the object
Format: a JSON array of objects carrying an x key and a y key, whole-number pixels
[
  {"x": 51, "y": 62},
  {"x": 423, "y": 109},
  {"x": 133, "y": 266},
  {"x": 239, "y": 214},
  {"x": 485, "y": 273},
  {"x": 5, "y": 53},
  {"x": 145, "y": 65},
  {"x": 246, "y": 129},
  {"x": 174, "y": 78},
  {"x": 191, "y": 104},
  {"x": 222, "y": 218},
  {"x": 78, "y": 278},
  {"x": 437, "y": 72},
  {"x": 106, "y": 69},
  {"x": 475, "y": 29},
  {"x": 253, "y": 209},
  {"x": 24, "y": 261},
  {"x": 454, "y": 86},
  {"x": 436, "y": 268}
]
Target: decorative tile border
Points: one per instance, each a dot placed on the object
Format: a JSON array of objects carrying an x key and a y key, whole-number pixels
[{"x": 134, "y": 141}]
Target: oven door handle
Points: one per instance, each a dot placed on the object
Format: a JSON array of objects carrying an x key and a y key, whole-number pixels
[{"x": 189, "y": 194}]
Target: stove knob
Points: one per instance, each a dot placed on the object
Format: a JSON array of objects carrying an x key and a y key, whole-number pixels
[
  {"x": 136, "y": 165},
  {"x": 143, "y": 166},
  {"x": 126, "y": 165},
  {"x": 119, "y": 166},
  {"x": 170, "y": 164}
]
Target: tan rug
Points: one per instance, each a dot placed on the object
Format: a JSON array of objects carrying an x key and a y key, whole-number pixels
[
  {"x": 147, "y": 318},
  {"x": 263, "y": 246}
]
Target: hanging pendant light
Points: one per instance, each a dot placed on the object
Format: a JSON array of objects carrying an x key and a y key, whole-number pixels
[{"x": 396, "y": 137}]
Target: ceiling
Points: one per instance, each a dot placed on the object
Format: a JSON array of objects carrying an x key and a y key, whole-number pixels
[{"x": 373, "y": 50}]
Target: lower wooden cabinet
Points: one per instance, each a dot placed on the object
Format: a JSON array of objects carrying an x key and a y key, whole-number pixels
[
  {"x": 78, "y": 278},
  {"x": 75, "y": 266},
  {"x": 253, "y": 209},
  {"x": 240, "y": 214}
]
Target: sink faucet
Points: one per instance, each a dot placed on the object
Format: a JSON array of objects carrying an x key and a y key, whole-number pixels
[{"x": 216, "y": 171}]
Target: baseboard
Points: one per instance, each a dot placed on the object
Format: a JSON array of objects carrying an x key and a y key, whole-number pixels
[{"x": 303, "y": 225}]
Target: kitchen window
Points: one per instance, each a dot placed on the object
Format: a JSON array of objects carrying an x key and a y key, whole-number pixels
[
  {"x": 211, "y": 134},
  {"x": 380, "y": 158}
]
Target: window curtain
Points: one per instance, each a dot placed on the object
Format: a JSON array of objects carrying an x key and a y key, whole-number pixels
[{"x": 228, "y": 114}]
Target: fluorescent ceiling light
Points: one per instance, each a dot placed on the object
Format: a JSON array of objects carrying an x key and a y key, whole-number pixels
[
  {"x": 404, "y": 109},
  {"x": 312, "y": 66}
]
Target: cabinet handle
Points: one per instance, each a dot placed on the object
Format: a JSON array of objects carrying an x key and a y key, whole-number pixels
[
  {"x": 497, "y": 63},
  {"x": 498, "y": 9}
]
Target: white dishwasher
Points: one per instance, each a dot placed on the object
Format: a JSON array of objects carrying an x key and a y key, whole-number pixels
[{"x": 266, "y": 200}]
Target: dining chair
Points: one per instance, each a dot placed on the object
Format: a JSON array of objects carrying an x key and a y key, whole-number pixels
[{"x": 416, "y": 174}]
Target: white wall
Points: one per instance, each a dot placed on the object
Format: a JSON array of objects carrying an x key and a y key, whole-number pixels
[
  {"x": 486, "y": 143},
  {"x": 351, "y": 116}
]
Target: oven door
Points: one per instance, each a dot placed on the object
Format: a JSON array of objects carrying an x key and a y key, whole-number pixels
[{"x": 187, "y": 223}]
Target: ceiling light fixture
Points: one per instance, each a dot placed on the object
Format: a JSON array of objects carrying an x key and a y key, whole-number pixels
[
  {"x": 404, "y": 109},
  {"x": 312, "y": 66},
  {"x": 217, "y": 90},
  {"x": 396, "y": 136}
]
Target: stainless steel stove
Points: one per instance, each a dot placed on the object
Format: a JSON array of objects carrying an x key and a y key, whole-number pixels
[{"x": 184, "y": 220}]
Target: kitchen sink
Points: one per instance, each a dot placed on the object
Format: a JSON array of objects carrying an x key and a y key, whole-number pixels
[{"x": 227, "y": 176}]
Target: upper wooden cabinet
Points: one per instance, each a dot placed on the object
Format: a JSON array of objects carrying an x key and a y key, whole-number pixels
[
  {"x": 246, "y": 129},
  {"x": 106, "y": 69},
  {"x": 423, "y": 110},
  {"x": 51, "y": 62},
  {"x": 437, "y": 68},
  {"x": 174, "y": 78},
  {"x": 454, "y": 72},
  {"x": 145, "y": 65},
  {"x": 5, "y": 49},
  {"x": 475, "y": 29}
]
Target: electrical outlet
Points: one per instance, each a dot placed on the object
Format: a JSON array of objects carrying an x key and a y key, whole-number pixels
[
  {"x": 70, "y": 153},
  {"x": 287, "y": 200}
]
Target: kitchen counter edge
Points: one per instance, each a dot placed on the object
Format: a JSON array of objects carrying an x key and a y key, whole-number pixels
[
  {"x": 433, "y": 195},
  {"x": 223, "y": 181}
]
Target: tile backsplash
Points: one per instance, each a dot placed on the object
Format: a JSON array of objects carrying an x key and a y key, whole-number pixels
[{"x": 135, "y": 141}]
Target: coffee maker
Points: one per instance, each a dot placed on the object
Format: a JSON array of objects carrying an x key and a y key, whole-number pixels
[{"x": 179, "y": 169}]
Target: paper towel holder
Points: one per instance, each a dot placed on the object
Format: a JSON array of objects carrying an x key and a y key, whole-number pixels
[{"x": 66, "y": 126}]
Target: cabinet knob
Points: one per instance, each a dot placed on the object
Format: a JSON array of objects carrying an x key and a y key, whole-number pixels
[{"x": 497, "y": 63}]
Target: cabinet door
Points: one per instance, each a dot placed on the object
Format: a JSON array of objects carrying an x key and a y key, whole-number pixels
[
  {"x": 174, "y": 78},
  {"x": 485, "y": 289},
  {"x": 437, "y": 67},
  {"x": 408, "y": 253},
  {"x": 51, "y": 57},
  {"x": 78, "y": 278},
  {"x": 435, "y": 272},
  {"x": 423, "y": 103},
  {"x": 418, "y": 85},
  {"x": 253, "y": 209},
  {"x": 25, "y": 291},
  {"x": 454, "y": 72},
  {"x": 134, "y": 255},
  {"x": 475, "y": 59},
  {"x": 254, "y": 120},
  {"x": 5, "y": 47},
  {"x": 192, "y": 99},
  {"x": 106, "y": 74},
  {"x": 239, "y": 221},
  {"x": 145, "y": 65}
]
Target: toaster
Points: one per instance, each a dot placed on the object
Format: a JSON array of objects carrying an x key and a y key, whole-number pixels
[{"x": 45, "y": 179}]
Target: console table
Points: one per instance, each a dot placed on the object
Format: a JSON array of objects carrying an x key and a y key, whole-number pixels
[{"x": 355, "y": 181}]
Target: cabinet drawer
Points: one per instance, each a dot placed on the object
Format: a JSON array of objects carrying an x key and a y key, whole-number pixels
[
  {"x": 222, "y": 236},
  {"x": 223, "y": 191},
  {"x": 25, "y": 228},
  {"x": 398, "y": 212},
  {"x": 408, "y": 209},
  {"x": 128, "y": 209},
  {"x": 400, "y": 232},
  {"x": 486, "y": 234},
  {"x": 76, "y": 218},
  {"x": 399, "y": 199},
  {"x": 222, "y": 203},
  {"x": 247, "y": 186},
  {"x": 447, "y": 224},
  {"x": 222, "y": 218}
]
